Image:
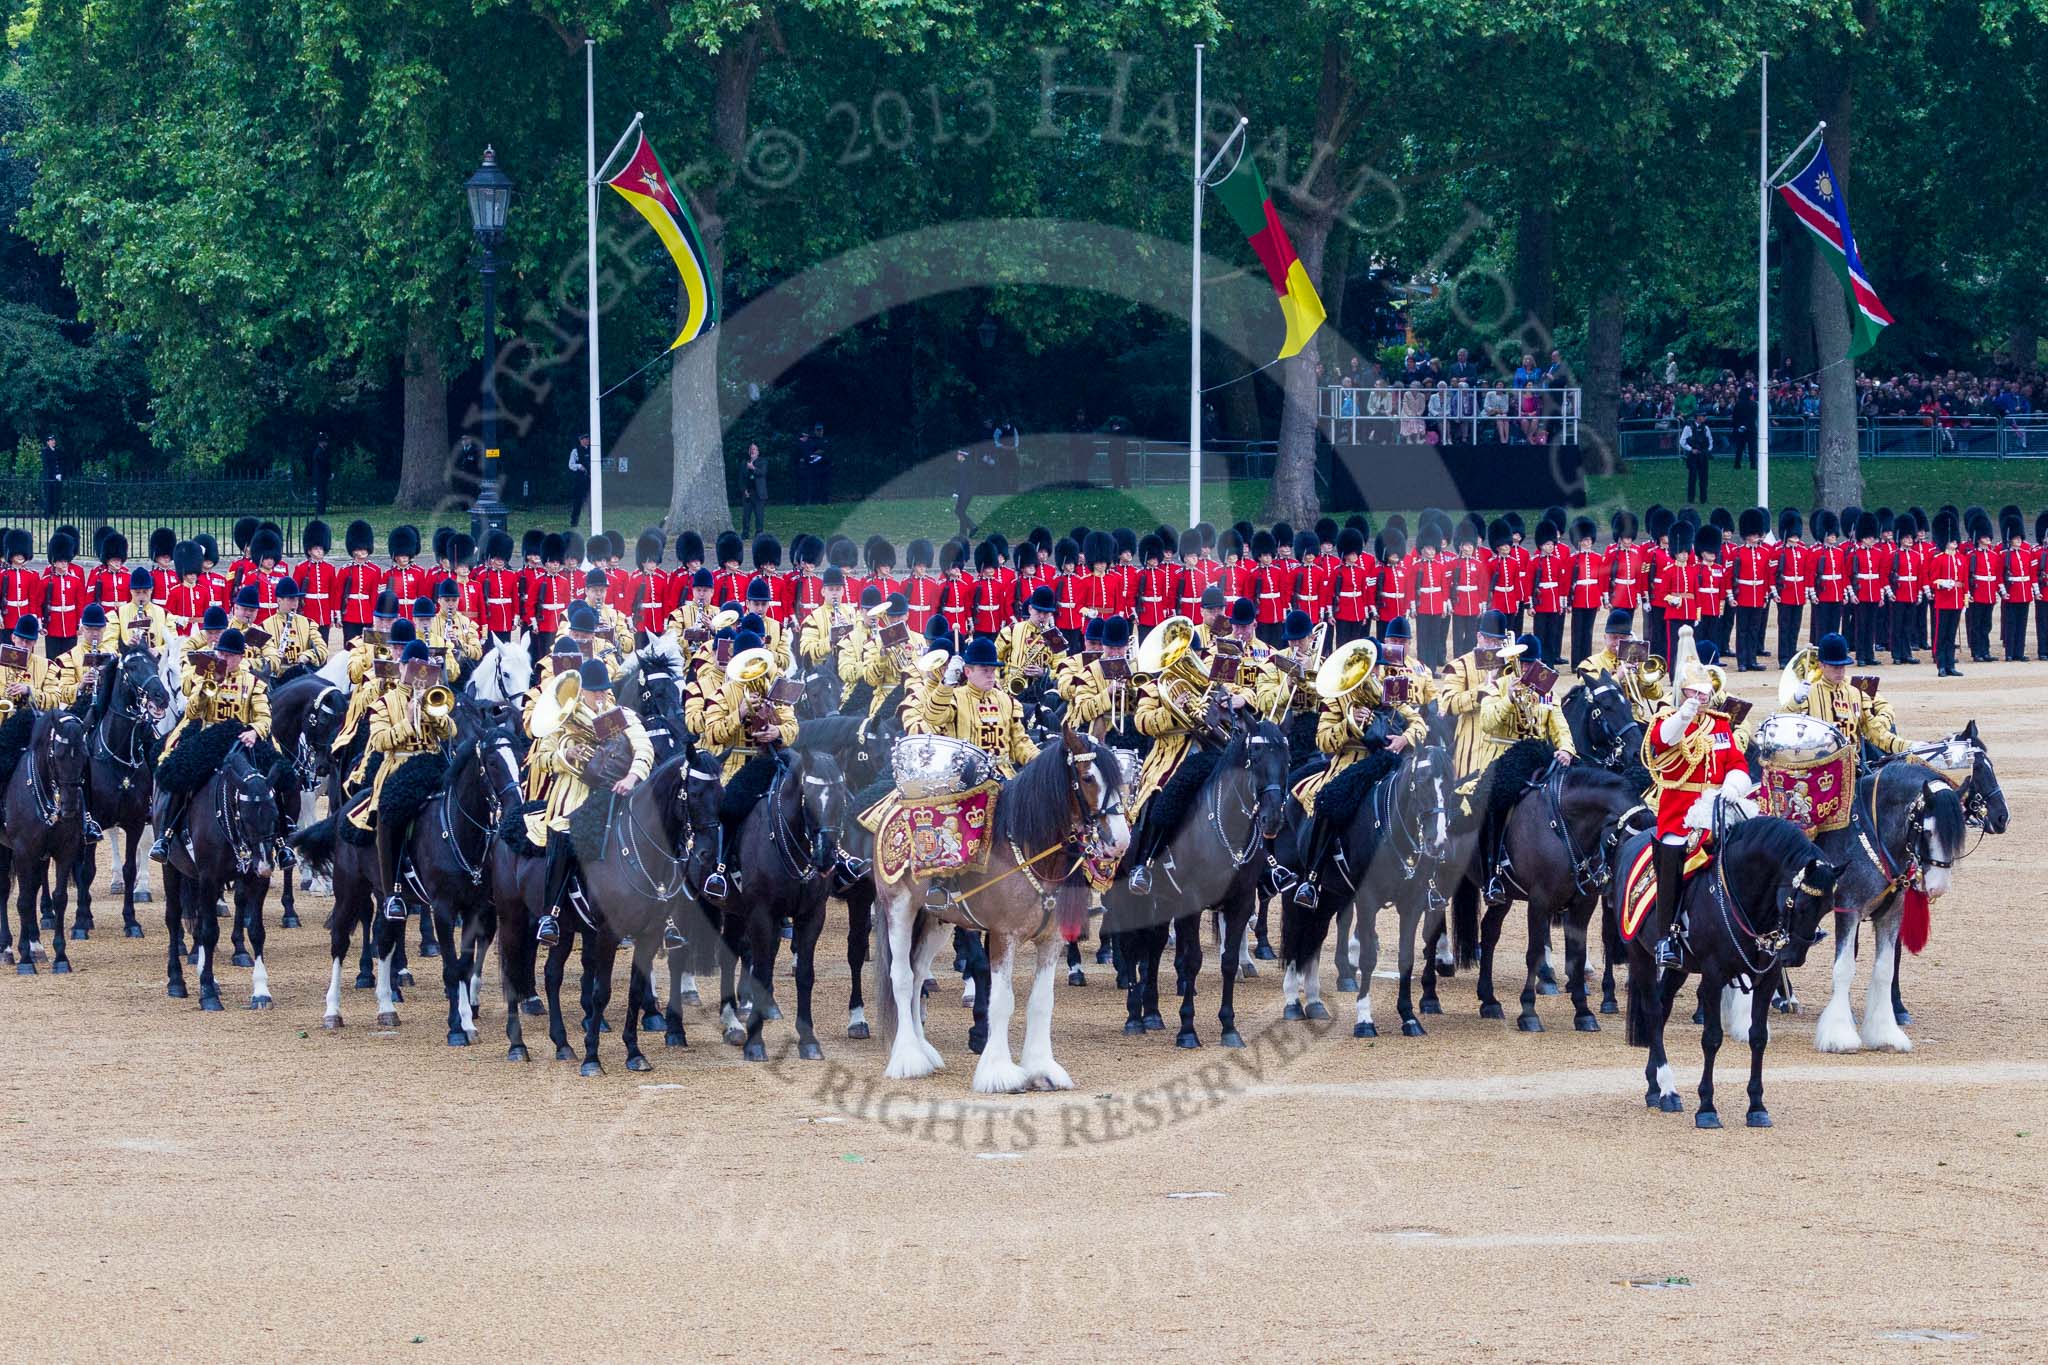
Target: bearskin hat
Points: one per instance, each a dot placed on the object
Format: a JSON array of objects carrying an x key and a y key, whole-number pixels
[
  {"x": 186, "y": 557},
  {"x": 984, "y": 556},
  {"x": 1065, "y": 553},
  {"x": 2011, "y": 526},
  {"x": 1263, "y": 545},
  {"x": 647, "y": 550},
  {"x": 403, "y": 540},
  {"x": 841, "y": 550},
  {"x": 245, "y": 531},
  {"x": 441, "y": 534},
  {"x": 1190, "y": 544},
  {"x": 461, "y": 549},
  {"x": 63, "y": 548},
  {"x": 532, "y": 543},
  {"x": 1707, "y": 541},
  {"x": 1947, "y": 532},
  {"x": 1622, "y": 525},
  {"x": 689, "y": 547},
  {"x": 1126, "y": 540},
  {"x": 163, "y": 540},
  {"x": 1657, "y": 522},
  {"x": 1584, "y": 529},
  {"x": 1326, "y": 531},
  {"x": 1682, "y": 535},
  {"x": 1753, "y": 522},
  {"x": 767, "y": 552},
  {"x": 553, "y": 549},
  {"x": 1306, "y": 546},
  {"x": 1351, "y": 541},
  {"x": 316, "y": 536},
  {"x": 572, "y": 548},
  {"x": 1546, "y": 533},
  {"x": 1283, "y": 534},
  {"x": 1866, "y": 526},
  {"x": 114, "y": 546},
  {"x": 920, "y": 553},
  {"x": 1790, "y": 523},
  {"x": 359, "y": 536},
  {"x": 1393, "y": 544},
  {"x": 1471, "y": 527},
  {"x": 498, "y": 545},
  {"x": 1499, "y": 535},
  {"x": 209, "y": 548},
  {"x": 878, "y": 553},
  {"x": 266, "y": 545}
]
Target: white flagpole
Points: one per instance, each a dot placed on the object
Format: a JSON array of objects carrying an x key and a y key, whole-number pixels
[
  {"x": 590, "y": 280},
  {"x": 1763, "y": 289},
  {"x": 1195, "y": 318}
]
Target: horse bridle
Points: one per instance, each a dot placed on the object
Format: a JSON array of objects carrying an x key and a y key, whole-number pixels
[
  {"x": 1416, "y": 834},
  {"x": 136, "y": 715},
  {"x": 1616, "y": 747},
  {"x": 47, "y": 802},
  {"x": 494, "y": 809},
  {"x": 243, "y": 849},
  {"x": 1270, "y": 791},
  {"x": 1089, "y": 817}
]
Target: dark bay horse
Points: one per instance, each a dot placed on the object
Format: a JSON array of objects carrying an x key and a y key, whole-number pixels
[
  {"x": 42, "y": 824},
  {"x": 1751, "y": 915},
  {"x": 233, "y": 827},
  {"x": 638, "y": 856},
  {"x": 1393, "y": 831},
  {"x": 788, "y": 844},
  {"x": 1227, "y": 809},
  {"x": 128, "y": 701}
]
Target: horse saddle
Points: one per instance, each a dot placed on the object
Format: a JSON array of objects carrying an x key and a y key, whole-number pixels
[{"x": 1639, "y": 886}]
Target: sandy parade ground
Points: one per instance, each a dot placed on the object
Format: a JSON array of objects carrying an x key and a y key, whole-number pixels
[{"x": 244, "y": 1185}]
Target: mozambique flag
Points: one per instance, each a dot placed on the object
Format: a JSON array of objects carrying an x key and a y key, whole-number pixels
[
  {"x": 1243, "y": 192},
  {"x": 1822, "y": 205},
  {"x": 644, "y": 184}
]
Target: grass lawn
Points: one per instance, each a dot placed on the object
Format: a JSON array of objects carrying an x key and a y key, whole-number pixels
[{"x": 1895, "y": 483}]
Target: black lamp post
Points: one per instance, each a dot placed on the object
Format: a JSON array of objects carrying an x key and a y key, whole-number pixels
[{"x": 490, "y": 195}]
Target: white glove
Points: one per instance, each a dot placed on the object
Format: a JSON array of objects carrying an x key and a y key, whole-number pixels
[
  {"x": 1672, "y": 728},
  {"x": 956, "y": 669}
]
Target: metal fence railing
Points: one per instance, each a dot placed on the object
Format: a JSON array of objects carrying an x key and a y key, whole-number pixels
[
  {"x": 1412, "y": 415},
  {"x": 1129, "y": 462},
  {"x": 1975, "y": 436},
  {"x": 135, "y": 507}
]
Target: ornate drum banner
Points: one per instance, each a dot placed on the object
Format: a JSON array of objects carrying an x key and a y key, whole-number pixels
[
  {"x": 1809, "y": 772},
  {"x": 936, "y": 836}
]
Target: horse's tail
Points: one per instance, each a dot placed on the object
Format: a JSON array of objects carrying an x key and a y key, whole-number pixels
[
  {"x": 315, "y": 844},
  {"x": 1465, "y": 928}
]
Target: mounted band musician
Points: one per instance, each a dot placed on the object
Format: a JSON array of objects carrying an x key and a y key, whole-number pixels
[
  {"x": 1357, "y": 718},
  {"x": 1692, "y": 757},
  {"x": 218, "y": 687},
  {"x": 1641, "y": 675},
  {"x": 1817, "y": 683},
  {"x": 26, "y": 677},
  {"x": 296, "y": 645},
  {"x": 140, "y": 622},
  {"x": 414, "y": 714},
  {"x": 1285, "y": 693},
  {"x": 574, "y": 728}
]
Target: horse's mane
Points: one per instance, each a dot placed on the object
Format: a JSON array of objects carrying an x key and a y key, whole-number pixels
[
  {"x": 1944, "y": 803},
  {"x": 1759, "y": 851},
  {"x": 827, "y": 733},
  {"x": 1034, "y": 812},
  {"x": 1634, "y": 779}
]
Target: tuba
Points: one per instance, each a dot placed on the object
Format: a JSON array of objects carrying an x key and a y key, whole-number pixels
[
  {"x": 1167, "y": 654},
  {"x": 556, "y": 704},
  {"x": 1796, "y": 682},
  {"x": 1348, "y": 669}
]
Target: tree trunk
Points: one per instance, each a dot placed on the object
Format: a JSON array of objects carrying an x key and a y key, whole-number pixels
[
  {"x": 1339, "y": 256},
  {"x": 1293, "y": 491},
  {"x": 1536, "y": 273},
  {"x": 423, "y": 472},
  {"x": 1600, "y": 429},
  {"x": 697, "y": 498},
  {"x": 1837, "y": 468}
]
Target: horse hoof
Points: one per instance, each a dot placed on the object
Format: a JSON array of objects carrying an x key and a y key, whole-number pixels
[
  {"x": 61, "y": 967},
  {"x": 1706, "y": 1118},
  {"x": 1585, "y": 1023},
  {"x": 1784, "y": 1006},
  {"x": 638, "y": 1063},
  {"x": 590, "y": 1069},
  {"x": 210, "y": 1004},
  {"x": 1759, "y": 1118},
  {"x": 857, "y": 1030},
  {"x": 771, "y": 1013},
  {"x": 1187, "y": 1039},
  {"x": 1248, "y": 970},
  {"x": 1264, "y": 953},
  {"x": 403, "y": 977},
  {"x": 1134, "y": 1028},
  {"x": 563, "y": 1054},
  {"x": 49, "y": 921},
  {"x": 976, "y": 1041},
  {"x": 6, "y": 957},
  {"x": 131, "y": 930},
  {"x": 1546, "y": 974},
  {"x": 1670, "y": 1104},
  {"x": 242, "y": 960},
  {"x": 1609, "y": 1007},
  {"x": 689, "y": 998},
  {"x": 756, "y": 1051},
  {"x": 176, "y": 990},
  {"x": 1125, "y": 983},
  {"x": 290, "y": 920},
  {"x": 397, "y": 995},
  {"x": 1905, "y": 1017},
  {"x": 79, "y": 933},
  {"x": 674, "y": 1039},
  {"x": 1412, "y": 1028},
  {"x": 1293, "y": 1010},
  {"x": 430, "y": 950},
  {"x": 1347, "y": 984},
  {"x": 25, "y": 967},
  {"x": 1546, "y": 988},
  {"x": 1318, "y": 1010},
  {"x": 260, "y": 1002},
  {"x": 809, "y": 1052},
  {"x": 517, "y": 1053},
  {"x": 604, "y": 1026},
  {"x": 1491, "y": 1009},
  {"x": 1076, "y": 977},
  {"x": 192, "y": 958},
  {"x": 1432, "y": 1007},
  {"x": 1103, "y": 957},
  {"x": 1368, "y": 1029},
  {"x": 532, "y": 1006},
  {"x": 1231, "y": 1038},
  {"x": 1154, "y": 1024},
  {"x": 330, "y": 1022},
  {"x": 364, "y": 981},
  {"x": 1528, "y": 1023},
  {"x": 735, "y": 1036},
  {"x": 653, "y": 1023},
  {"x": 458, "y": 1037}
]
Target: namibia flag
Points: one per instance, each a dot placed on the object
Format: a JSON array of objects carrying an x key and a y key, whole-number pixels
[
  {"x": 645, "y": 185},
  {"x": 1243, "y": 192},
  {"x": 1819, "y": 202}
]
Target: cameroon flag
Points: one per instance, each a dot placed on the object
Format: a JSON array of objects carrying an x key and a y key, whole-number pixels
[
  {"x": 1243, "y": 192},
  {"x": 645, "y": 185}
]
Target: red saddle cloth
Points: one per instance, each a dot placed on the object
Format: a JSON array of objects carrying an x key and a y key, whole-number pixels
[{"x": 1639, "y": 887}]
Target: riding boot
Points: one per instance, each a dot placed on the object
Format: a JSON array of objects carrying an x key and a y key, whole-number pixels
[
  {"x": 847, "y": 873},
  {"x": 286, "y": 827},
  {"x": 1669, "y": 862},
  {"x": 553, "y": 883},
  {"x": 390, "y": 849},
  {"x": 174, "y": 826},
  {"x": 1317, "y": 847},
  {"x": 1140, "y": 856},
  {"x": 93, "y": 832},
  {"x": 672, "y": 938}
]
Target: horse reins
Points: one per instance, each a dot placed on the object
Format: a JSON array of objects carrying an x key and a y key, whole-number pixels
[{"x": 47, "y": 803}]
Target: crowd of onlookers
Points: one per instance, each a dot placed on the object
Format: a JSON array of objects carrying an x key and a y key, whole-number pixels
[{"x": 1430, "y": 400}]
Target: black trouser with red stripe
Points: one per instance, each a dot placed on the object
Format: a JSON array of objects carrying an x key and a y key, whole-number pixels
[
  {"x": 1865, "y": 642},
  {"x": 1749, "y": 636},
  {"x": 1902, "y": 614},
  {"x": 1789, "y": 614},
  {"x": 2012, "y": 630},
  {"x": 1550, "y": 630},
  {"x": 1583, "y": 621},
  {"x": 1827, "y": 619},
  {"x": 1977, "y": 626},
  {"x": 1945, "y": 621}
]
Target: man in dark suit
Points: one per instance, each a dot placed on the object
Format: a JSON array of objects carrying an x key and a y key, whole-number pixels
[
  {"x": 53, "y": 477},
  {"x": 754, "y": 493}
]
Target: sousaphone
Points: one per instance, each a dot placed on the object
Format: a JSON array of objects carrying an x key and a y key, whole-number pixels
[{"x": 1348, "y": 666}]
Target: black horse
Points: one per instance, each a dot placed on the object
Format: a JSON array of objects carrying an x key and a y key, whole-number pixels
[
  {"x": 1605, "y": 731},
  {"x": 42, "y": 823},
  {"x": 232, "y": 824},
  {"x": 788, "y": 845},
  {"x": 1559, "y": 829},
  {"x": 306, "y": 713},
  {"x": 1224, "y": 809},
  {"x": 638, "y": 856},
  {"x": 1751, "y": 915},
  {"x": 128, "y": 701},
  {"x": 1392, "y": 833}
]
